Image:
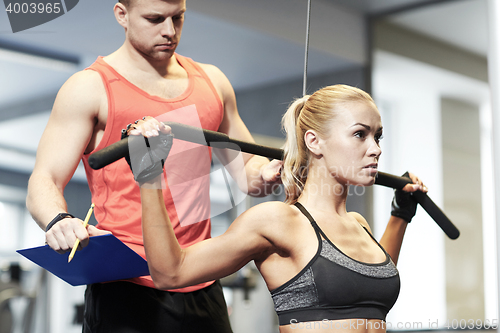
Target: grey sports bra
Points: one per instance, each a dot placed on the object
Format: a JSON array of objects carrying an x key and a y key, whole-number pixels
[{"x": 334, "y": 286}]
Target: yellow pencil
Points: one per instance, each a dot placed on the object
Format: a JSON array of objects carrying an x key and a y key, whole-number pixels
[{"x": 87, "y": 218}]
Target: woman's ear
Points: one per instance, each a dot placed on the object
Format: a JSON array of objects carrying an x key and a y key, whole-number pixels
[
  {"x": 121, "y": 14},
  {"x": 313, "y": 142}
]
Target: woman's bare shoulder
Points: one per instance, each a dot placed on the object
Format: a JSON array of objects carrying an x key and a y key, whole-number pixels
[
  {"x": 361, "y": 220},
  {"x": 270, "y": 209}
]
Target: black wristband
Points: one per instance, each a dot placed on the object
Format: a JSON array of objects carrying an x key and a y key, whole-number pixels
[
  {"x": 56, "y": 219},
  {"x": 404, "y": 204}
]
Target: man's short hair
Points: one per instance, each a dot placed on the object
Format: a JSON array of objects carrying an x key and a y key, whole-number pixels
[{"x": 126, "y": 3}]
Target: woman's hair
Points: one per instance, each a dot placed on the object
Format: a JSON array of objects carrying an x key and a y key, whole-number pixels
[{"x": 311, "y": 112}]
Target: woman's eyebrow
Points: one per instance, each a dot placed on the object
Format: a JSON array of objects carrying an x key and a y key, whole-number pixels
[{"x": 367, "y": 126}]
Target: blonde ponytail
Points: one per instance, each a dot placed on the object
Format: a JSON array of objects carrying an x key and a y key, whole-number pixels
[{"x": 295, "y": 158}]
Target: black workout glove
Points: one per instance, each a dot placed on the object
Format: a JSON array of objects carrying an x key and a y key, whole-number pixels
[
  {"x": 147, "y": 155},
  {"x": 404, "y": 204}
]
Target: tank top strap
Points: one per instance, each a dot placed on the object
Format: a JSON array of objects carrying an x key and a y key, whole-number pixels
[{"x": 107, "y": 72}]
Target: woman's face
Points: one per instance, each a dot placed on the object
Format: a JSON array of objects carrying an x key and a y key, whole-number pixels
[{"x": 351, "y": 151}]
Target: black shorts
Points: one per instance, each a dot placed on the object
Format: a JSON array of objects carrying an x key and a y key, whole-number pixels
[{"x": 124, "y": 307}]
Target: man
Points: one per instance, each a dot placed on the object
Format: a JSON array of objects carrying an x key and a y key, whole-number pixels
[{"x": 144, "y": 77}]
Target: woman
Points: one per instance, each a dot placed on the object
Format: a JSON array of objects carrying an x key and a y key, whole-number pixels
[{"x": 321, "y": 264}]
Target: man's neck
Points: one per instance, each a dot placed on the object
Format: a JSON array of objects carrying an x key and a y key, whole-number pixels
[
  {"x": 168, "y": 81},
  {"x": 134, "y": 63}
]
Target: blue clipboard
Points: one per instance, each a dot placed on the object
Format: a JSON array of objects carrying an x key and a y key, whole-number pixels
[{"x": 104, "y": 259}]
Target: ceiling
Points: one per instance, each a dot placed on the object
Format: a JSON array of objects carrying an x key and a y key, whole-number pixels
[
  {"x": 247, "y": 40},
  {"x": 460, "y": 23}
]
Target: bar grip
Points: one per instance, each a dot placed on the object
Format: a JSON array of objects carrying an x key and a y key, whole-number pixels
[
  {"x": 423, "y": 199},
  {"x": 183, "y": 132},
  {"x": 117, "y": 150}
]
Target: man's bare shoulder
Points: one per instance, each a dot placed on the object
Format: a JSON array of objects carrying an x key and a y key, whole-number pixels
[
  {"x": 87, "y": 79},
  {"x": 210, "y": 69},
  {"x": 222, "y": 84},
  {"x": 217, "y": 77},
  {"x": 83, "y": 90}
]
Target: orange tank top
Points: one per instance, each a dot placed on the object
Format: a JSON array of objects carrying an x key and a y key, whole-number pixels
[{"x": 114, "y": 191}]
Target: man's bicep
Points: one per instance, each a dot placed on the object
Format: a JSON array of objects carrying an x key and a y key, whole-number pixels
[{"x": 69, "y": 129}]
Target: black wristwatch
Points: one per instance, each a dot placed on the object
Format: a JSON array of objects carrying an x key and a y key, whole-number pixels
[{"x": 56, "y": 219}]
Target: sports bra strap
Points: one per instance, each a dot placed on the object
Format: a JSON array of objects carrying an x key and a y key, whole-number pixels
[
  {"x": 316, "y": 227},
  {"x": 320, "y": 232},
  {"x": 306, "y": 213}
]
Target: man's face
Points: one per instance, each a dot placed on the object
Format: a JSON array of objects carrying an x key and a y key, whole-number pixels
[{"x": 154, "y": 27}]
